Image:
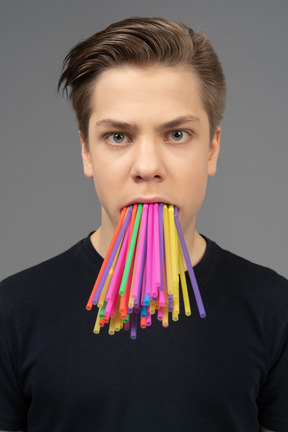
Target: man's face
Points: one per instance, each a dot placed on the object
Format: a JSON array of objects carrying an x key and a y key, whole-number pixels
[{"x": 149, "y": 140}]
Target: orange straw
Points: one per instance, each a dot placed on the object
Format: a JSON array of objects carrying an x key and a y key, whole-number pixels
[
  {"x": 143, "y": 322},
  {"x": 101, "y": 322}
]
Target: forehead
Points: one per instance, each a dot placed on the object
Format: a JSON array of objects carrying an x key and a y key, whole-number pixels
[
  {"x": 155, "y": 78},
  {"x": 153, "y": 88}
]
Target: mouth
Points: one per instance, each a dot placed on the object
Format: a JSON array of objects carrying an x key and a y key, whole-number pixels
[{"x": 151, "y": 200}]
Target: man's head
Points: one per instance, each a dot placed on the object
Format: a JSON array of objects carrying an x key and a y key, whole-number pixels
[
  {"x": 143, "y": 42},
  {"x": 149, "y": 95}
]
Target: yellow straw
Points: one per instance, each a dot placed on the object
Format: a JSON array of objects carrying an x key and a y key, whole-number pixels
[
  {"x": 152, "y": 307},
  {"x": 165, "y": 321},
  {"x": 111, "y": 330},
  {"x": 176, "y": 301},
  {"x": 167, "y": 250},
  {"x": 131, "y": 302},
  {"x": 97, "y": 326},
  {"x": 173, "y": 251},
  {"x": 183, "y": 281},
  {"x": 175, "y": 316}
]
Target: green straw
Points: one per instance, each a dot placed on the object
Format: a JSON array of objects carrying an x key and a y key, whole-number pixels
[
  {"x": 102, "y": 311},
  {"x": 131, "y": 250}
]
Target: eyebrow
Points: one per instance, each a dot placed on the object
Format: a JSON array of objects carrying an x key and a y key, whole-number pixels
[{"x": 170, "y": 124}]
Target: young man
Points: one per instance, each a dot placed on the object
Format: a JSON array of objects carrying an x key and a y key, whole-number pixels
[{"x": 149, "y": 97}]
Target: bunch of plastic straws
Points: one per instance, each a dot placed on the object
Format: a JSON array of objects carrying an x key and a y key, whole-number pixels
[{"x": 139, "y": 274}]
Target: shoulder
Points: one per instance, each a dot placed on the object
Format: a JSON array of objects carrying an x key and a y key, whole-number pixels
[
  {"x": 249, "y": 269},
  {"x": 40, "y": 275},
  {"x": 255, "y": 294},
  {"x": 261, "y": 282}
]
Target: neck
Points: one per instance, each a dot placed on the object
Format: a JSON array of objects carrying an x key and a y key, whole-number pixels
[{"x": 196, "y": 245}]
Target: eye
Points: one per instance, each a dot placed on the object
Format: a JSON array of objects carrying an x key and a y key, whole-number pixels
[
  {"x": 179, "y": 136},
  {"x": 116, "y": 138}
]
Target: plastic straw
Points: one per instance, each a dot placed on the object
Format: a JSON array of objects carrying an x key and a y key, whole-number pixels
[
  {"x": 133, "y": 334},
  {"x": 124, "y": 212},
  {"x": 190, "y": 268},
  {"x": 139, "y": 275},
  {"x": 167, "y": 251},
  {"x": 131, "y": 249},
  {"x": 156, "y": 251},
  {"x": 183, "y": 282},
  {"x": 149, "y": 251},
  {"x": 117, "y": 275},
  {"x": 173, "y": 249},
  {"x": 112, "y": 256},
  {"x": 161, "y": 239},
  {"x": 142, "y": 253}
]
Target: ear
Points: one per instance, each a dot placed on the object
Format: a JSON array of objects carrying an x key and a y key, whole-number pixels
[
  {"x": 86, "y": 157},
  {"x": 214, "y": 152}
]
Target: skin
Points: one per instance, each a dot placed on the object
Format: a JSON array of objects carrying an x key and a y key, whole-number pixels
[{"x": 153, "y": 161}]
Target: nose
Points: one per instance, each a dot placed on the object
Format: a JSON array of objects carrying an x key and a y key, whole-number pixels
[{"x": 148, "y": 161}]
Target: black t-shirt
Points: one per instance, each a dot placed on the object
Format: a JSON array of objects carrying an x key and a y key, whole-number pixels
[{"x": 227, "y": 372}]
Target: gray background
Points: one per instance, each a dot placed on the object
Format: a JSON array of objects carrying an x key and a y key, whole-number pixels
[{"x": 47, "y": 204}]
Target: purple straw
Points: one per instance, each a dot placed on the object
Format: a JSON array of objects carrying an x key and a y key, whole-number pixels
[
  {"x": 127, "y": 325},
  {"x": 189, "y": 266},
  {"x": 170, "y": 304},
  {"x": 133, "y": 333}
]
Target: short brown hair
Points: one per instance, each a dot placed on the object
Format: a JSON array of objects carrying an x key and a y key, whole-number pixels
[{"x": 143, "y": 42}]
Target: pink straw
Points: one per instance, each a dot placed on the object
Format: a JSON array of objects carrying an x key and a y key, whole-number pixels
[
  {"x": 148, "y": 319},
  {"x": 143, "y": 287},
  {"x": 160, "y": 314},
  {"x": 149, "y": 256},
  {"x": 141, "y": 254},
  {"x": 162, "y": 298},
  {"x": 161, "y": 235},
  {"x": 156, "y": 251}
]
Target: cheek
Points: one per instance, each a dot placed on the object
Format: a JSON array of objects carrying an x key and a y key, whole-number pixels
[
  {"x": 193, "y": 171},
  {"x": 108, "y": 178}
]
